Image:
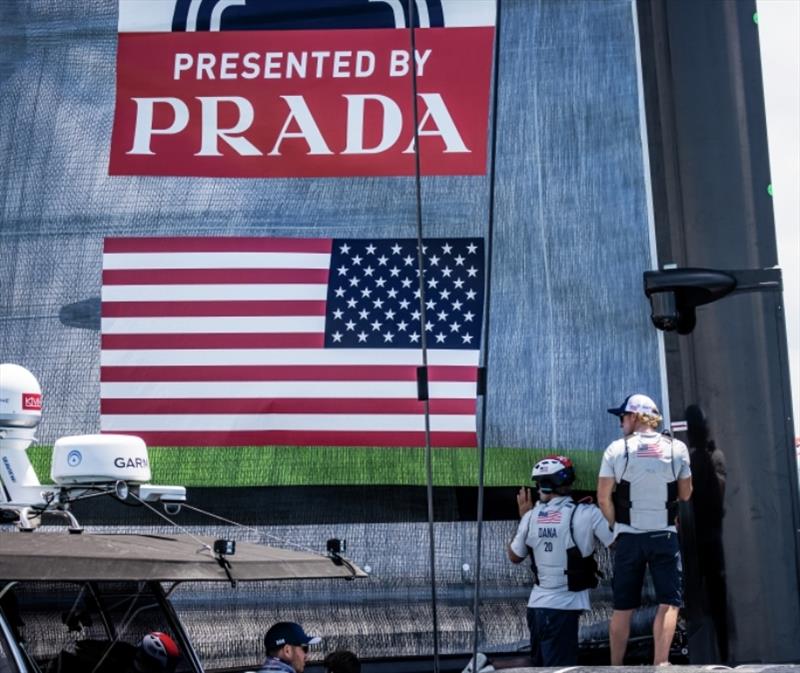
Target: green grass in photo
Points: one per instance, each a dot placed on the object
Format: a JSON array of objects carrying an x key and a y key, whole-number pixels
[{"x": 323, "y": 465}]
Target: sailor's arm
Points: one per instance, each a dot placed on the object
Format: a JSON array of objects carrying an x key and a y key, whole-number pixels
[
  {"x": 605, "y": 487},
  {"x": 524, "y": 501},
  {"x": 685, "y": 488},
  {"x": 513, "y": 557},
  {"x": 517, "y": 549},
  {"x": 602, "y": 530},
  {"x": 684, "y": 475}
]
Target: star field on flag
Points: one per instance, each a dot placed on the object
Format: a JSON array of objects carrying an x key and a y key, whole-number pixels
[{"x": 374, "y": 294}]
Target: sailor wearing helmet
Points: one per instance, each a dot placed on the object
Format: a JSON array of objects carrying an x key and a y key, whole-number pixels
[
  {"x": 559, "y": 534},
  {"x": 642, "y": 477},
  {"x": 156, "y": 653}
]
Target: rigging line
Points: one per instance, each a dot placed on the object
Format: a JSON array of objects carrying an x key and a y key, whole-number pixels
[
  {"x": 487, "y": 314},
  {"x": 253, "y": 530},
  {"x": 424, "y": 340},
  {"x": 8, "y": 587},
  {"x": 183, "y": 530},
  {"x": 124, "y": 622}
]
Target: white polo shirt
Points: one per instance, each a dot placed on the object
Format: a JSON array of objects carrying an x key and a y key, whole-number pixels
[{"x": 588, "y": 524}]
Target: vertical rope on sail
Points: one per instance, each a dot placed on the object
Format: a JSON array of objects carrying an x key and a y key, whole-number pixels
[
  {"x": 424, "y": 339},
  {"x": 485, "y": 340}
]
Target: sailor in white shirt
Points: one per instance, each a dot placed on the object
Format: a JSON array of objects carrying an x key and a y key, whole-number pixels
[
  {"x": 642, "y": 477},
  {"x": 559, "y": 534}
]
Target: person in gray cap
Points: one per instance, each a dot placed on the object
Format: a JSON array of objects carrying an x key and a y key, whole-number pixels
[
  {"x": 287, "y": 647},
  {"x": 642, "y": 477}
]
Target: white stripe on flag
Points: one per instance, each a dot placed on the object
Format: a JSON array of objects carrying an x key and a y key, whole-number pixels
[
  {"x": 284, "y": 389},
  {"x": 285, "y": 356},
  {"x": 215, "y": 325},
  {"x": 233, "y": 292},
  {"x": 333, "y": 422},
  {"x": 141, "y": 261}
]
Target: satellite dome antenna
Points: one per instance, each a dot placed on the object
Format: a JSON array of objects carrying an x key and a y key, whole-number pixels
[{"x": 83, "y": 466}]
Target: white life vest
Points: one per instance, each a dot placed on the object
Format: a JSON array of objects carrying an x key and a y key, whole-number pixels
[
  {"x": 646, "y": 496},
  {"x": 550, "y": 538}
]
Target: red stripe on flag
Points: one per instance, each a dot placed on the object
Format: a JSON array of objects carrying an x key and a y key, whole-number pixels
[
  {"x": 213, "y": 276},
  {"x": 169, "y": 406},
  {"x": 223, "y": 340},
  {"x": 303, "y": 438},
  {"x": 160, "y": 309},
  {"x": 283, "y": 373},
  {"x": 221, "y": 244}
]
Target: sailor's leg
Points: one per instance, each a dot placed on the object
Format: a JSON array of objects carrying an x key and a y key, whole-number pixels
[
  {"x": 618, "y": 631},
  {"x": 663, "y": 631}
]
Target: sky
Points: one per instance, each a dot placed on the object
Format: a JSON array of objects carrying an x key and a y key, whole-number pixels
[{"x": 779, "y": 38}]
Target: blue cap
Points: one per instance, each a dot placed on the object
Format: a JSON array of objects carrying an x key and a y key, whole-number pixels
[{"x": 287, "y": 633}]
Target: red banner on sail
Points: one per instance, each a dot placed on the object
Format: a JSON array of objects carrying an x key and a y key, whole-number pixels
[{"x": 301, "y": 103}]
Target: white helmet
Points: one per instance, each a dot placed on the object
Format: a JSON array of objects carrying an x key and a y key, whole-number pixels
[
  {"x": 157, "y": 652},
  {"x": 20, "y": 397},
  {"x": 553, "y": 474}
]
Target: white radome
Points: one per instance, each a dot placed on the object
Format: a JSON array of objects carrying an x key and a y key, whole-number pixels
[
  {"x": 20, "y": 397},
  {"x": 100, "y": 459}
]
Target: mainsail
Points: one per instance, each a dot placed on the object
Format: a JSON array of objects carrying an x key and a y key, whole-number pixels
[{"x": 134, "y": 123}]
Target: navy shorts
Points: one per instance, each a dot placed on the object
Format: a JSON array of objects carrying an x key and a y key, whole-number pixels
[
  {"x": 554, "y": 636},
  {"x": 633, "y": 553}
]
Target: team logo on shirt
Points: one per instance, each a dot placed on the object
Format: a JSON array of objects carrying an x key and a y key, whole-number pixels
[
  {"x": 649, "y": 450},
  {"x": 548, "y": 517}
]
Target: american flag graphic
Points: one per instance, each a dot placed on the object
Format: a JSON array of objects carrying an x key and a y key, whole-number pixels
[
  {"x": 299, "y": 342},
  {"x": 652, "y": 450},
  {"x": 552, "y": 516}
]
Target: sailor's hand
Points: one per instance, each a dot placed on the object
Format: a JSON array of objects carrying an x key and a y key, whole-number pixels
[{"x": 524, "y": 501}]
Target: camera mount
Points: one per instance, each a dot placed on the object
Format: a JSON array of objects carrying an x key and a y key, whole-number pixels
[{"x": 674, "y": 294}]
